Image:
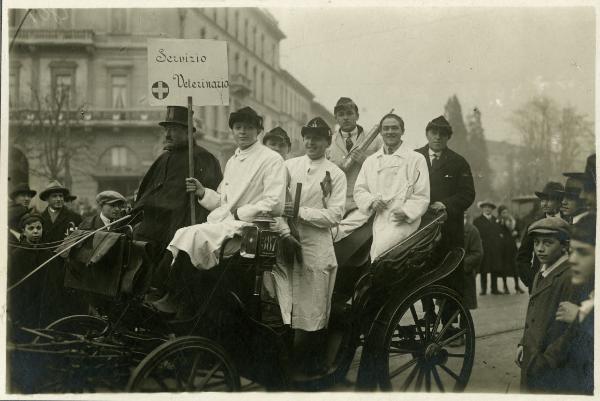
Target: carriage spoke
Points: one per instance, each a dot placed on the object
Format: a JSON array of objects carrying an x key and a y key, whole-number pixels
[
  {"x": 410, "y": 378},
  {"x": 403, "y": 368},
  {"x": 399, "y": 347},
  {"x": 419, "y": 381},
  {"x": 428, "y": 380},
  {"x": 451, "y": 373},
  {"x": 209, "y": 375},
  {"x": 416, "y": 319},
  {"x": 438, "y": 316},
  {"x": 160, "y": 382},
  {"x": 437, "y": 379},
  {"x": 452, "y": 338},
  {"x": 448, "y": 324},
  {"x": 190, "y": 381}
]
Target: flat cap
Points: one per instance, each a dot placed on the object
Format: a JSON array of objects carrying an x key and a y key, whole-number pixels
[
  {"x": 277, "y": 133},
  {"x": 109, "y": 197},
  {"x": 550, "y": 225},
  {"x": 345, "y": 103}
]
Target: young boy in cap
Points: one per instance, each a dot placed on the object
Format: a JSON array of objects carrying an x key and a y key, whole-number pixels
[
  {"x": 539, "y": 348},
  {"x": 279, "y": 141},
  {"x": 305, "y": 293},
  {"x": 579, "y": 343},
  {"x": 347, "y": 142},
  {"x": 111, "y": 205}
]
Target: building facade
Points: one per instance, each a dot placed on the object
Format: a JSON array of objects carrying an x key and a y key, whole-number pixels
[{"x": 78, "y": 89}]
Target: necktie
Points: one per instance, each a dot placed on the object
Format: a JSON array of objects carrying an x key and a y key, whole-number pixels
[
  {"x": 349, "y": 143},
  {"x": 435, "y": 161}
]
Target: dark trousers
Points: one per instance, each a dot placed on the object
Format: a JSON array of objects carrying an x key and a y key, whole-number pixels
[{"x": 494, "y": 283}]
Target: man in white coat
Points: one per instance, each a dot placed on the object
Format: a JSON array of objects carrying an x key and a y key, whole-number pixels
[
  {"x": 393, "y": 183},
  {"x": 305, "y": 294},
  {"x": 348, "y": 142},
  {"x": 253, "y": 183}
]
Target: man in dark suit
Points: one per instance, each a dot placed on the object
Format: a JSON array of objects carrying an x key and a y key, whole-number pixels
[
  {"x": 491, "y": 239},
  {"x": 58, "y": 221},
  {"x": 111, "y": 205},
  {"x": 550, "y": 201},
  {"x": 452, "y": 189}
]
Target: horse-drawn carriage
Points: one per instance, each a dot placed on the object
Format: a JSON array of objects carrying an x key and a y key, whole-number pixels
[{"x": 412, "y": 333}]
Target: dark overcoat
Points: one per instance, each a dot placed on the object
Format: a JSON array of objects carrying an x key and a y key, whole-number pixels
[
  {"x": 451, "y": 183},
  {"x": 473, "y": 256},
  {"x": 544, "y": 337},
  {"x": 163, "y": 198},
  {"x": 492, "y": 240}
]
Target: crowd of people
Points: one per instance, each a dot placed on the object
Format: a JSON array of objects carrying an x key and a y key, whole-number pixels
[{"x": 349, "y": 177}]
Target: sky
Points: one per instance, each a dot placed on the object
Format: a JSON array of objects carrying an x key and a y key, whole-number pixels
[{"x": 414, "y": 59}]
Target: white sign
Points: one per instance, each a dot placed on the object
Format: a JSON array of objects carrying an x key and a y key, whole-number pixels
[{"x": 178, "y": 68}]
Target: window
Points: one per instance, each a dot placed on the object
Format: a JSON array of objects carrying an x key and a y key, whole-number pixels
[
  {"x": 226, "y": 19},
  {"x": 236, "y": 62},
  {"x": 273, "y": 90},
  {"x": 119, "y": 91},
  {"x": 273, "y": 55},
  {"x": 118, "y": 156},
  {"x": 262, "y": 87},
  {"x": 63, "y": 82},
  {"x": 246, "y": 32},
  {"x": 118, "y": 20},
  {"x": 13, "y": 93},
  {"x": 63, "y": 86},
  {"x": 262, "y": 46},
  {"x": 202, "y": 33},
  {"x": 254, "y": 39},
  {"x": 246, "y": 68},
  {"x": 254, "y": 83},
  {"x": 237, "y": 24}
]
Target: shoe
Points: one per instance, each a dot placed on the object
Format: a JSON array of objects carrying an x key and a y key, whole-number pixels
[
  {"x": 495, "y": 292},
  {"x": 518, "y": 290},
  {"x": 483, "y": 293},
  {"x": 165, "y": 305},
  {"x": 506, "y": 291}
]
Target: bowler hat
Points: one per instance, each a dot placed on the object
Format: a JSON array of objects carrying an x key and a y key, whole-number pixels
[
  {"x": 550, "y": 225},
  {"x": 441, "y": 124},
  {"x": 246, "y": 114},
  {"x": 53, "y": 187},
  {"x": 550, "y": 190},
  {"x": 277, "y": 133},
  {"x": 573, "y": 187},
  {"x": 588, "y": 176},
  {"x": 177, "y": 115},
  {"x": 345, "y": 103},
  {"x": 109, "y": 197},
  {"x": 486, "y": 202},
  {"x": 318, "y": 126},
  {"x": 22, "y": 188}
]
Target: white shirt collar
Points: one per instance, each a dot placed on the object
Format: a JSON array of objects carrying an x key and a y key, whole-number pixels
[
  {"x": 432, "y": 153},
  {"x": 104, "y": 219},
  {"x": 353, "y": 134},
  {"x": 243, "y": 153},
  {"x": 400, "y": 152},
  {"x": 545, "y": 270}
]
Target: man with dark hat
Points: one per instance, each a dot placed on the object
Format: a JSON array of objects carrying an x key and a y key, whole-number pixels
[
  {"x": 452, "y": 187},
  {"x": 22, "y": 195},
  {"x": 279, "y": 141},
  {"x": 586, "y": 181},
  {"x": 162, "y": 192},
  {"x": 573, "y": 207},
  {"x": 58, "y": 220},
  {"x": 305, "y": 289},
  {"x": 111, "y": 205},
  {"x": 348, "y": 142},
  {"x": 492, "y": 242},
  {"x": 550, "y": 200},
  {"x": 254, "y": 182}
]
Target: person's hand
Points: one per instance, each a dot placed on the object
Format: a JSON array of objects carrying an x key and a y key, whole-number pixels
[
  {"x": 288, "y": 210},
  {"x": 519, "y": 355},
  {"x": 437, "y": 206},
  {"x": 194, "y": 186},
  {"x": 567, "y": 312},
  {"x": 398, "y": 216},
  {"x": 358, "y": 156},
  {"x": 378, "y": 206}
]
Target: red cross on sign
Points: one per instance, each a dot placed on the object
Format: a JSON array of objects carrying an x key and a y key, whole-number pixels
[{"x": 160, "y": 90}]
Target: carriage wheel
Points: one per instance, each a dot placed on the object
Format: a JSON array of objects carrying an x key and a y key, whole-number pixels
[
  {"x": 429, "y": 344},
  {"x": 75, "y": 325},
  {"x": 185, "y": 364}
]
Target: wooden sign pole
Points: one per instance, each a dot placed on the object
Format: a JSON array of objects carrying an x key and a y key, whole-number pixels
[{"x": 191, "y": 159}]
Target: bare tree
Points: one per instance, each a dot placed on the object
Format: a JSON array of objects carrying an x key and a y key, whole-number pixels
[
  {"x": 49, "y": 134},
  {"x": 552, "y": 139}
]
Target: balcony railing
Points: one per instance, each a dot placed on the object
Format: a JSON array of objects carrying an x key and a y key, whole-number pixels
[
  {"x": 96, "y": 116},
  {"x": 55, "y": 36},
  {"x": 240, "y": 84}
]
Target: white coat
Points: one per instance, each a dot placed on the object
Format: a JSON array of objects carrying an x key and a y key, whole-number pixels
[
  {"x": 402, "y": 181},
  {"x": 253, "y": 182},
  {"x": 304, "y": 291}
]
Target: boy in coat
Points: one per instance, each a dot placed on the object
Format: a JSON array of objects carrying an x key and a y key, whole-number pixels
[{"x": 541, "y": 348}]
